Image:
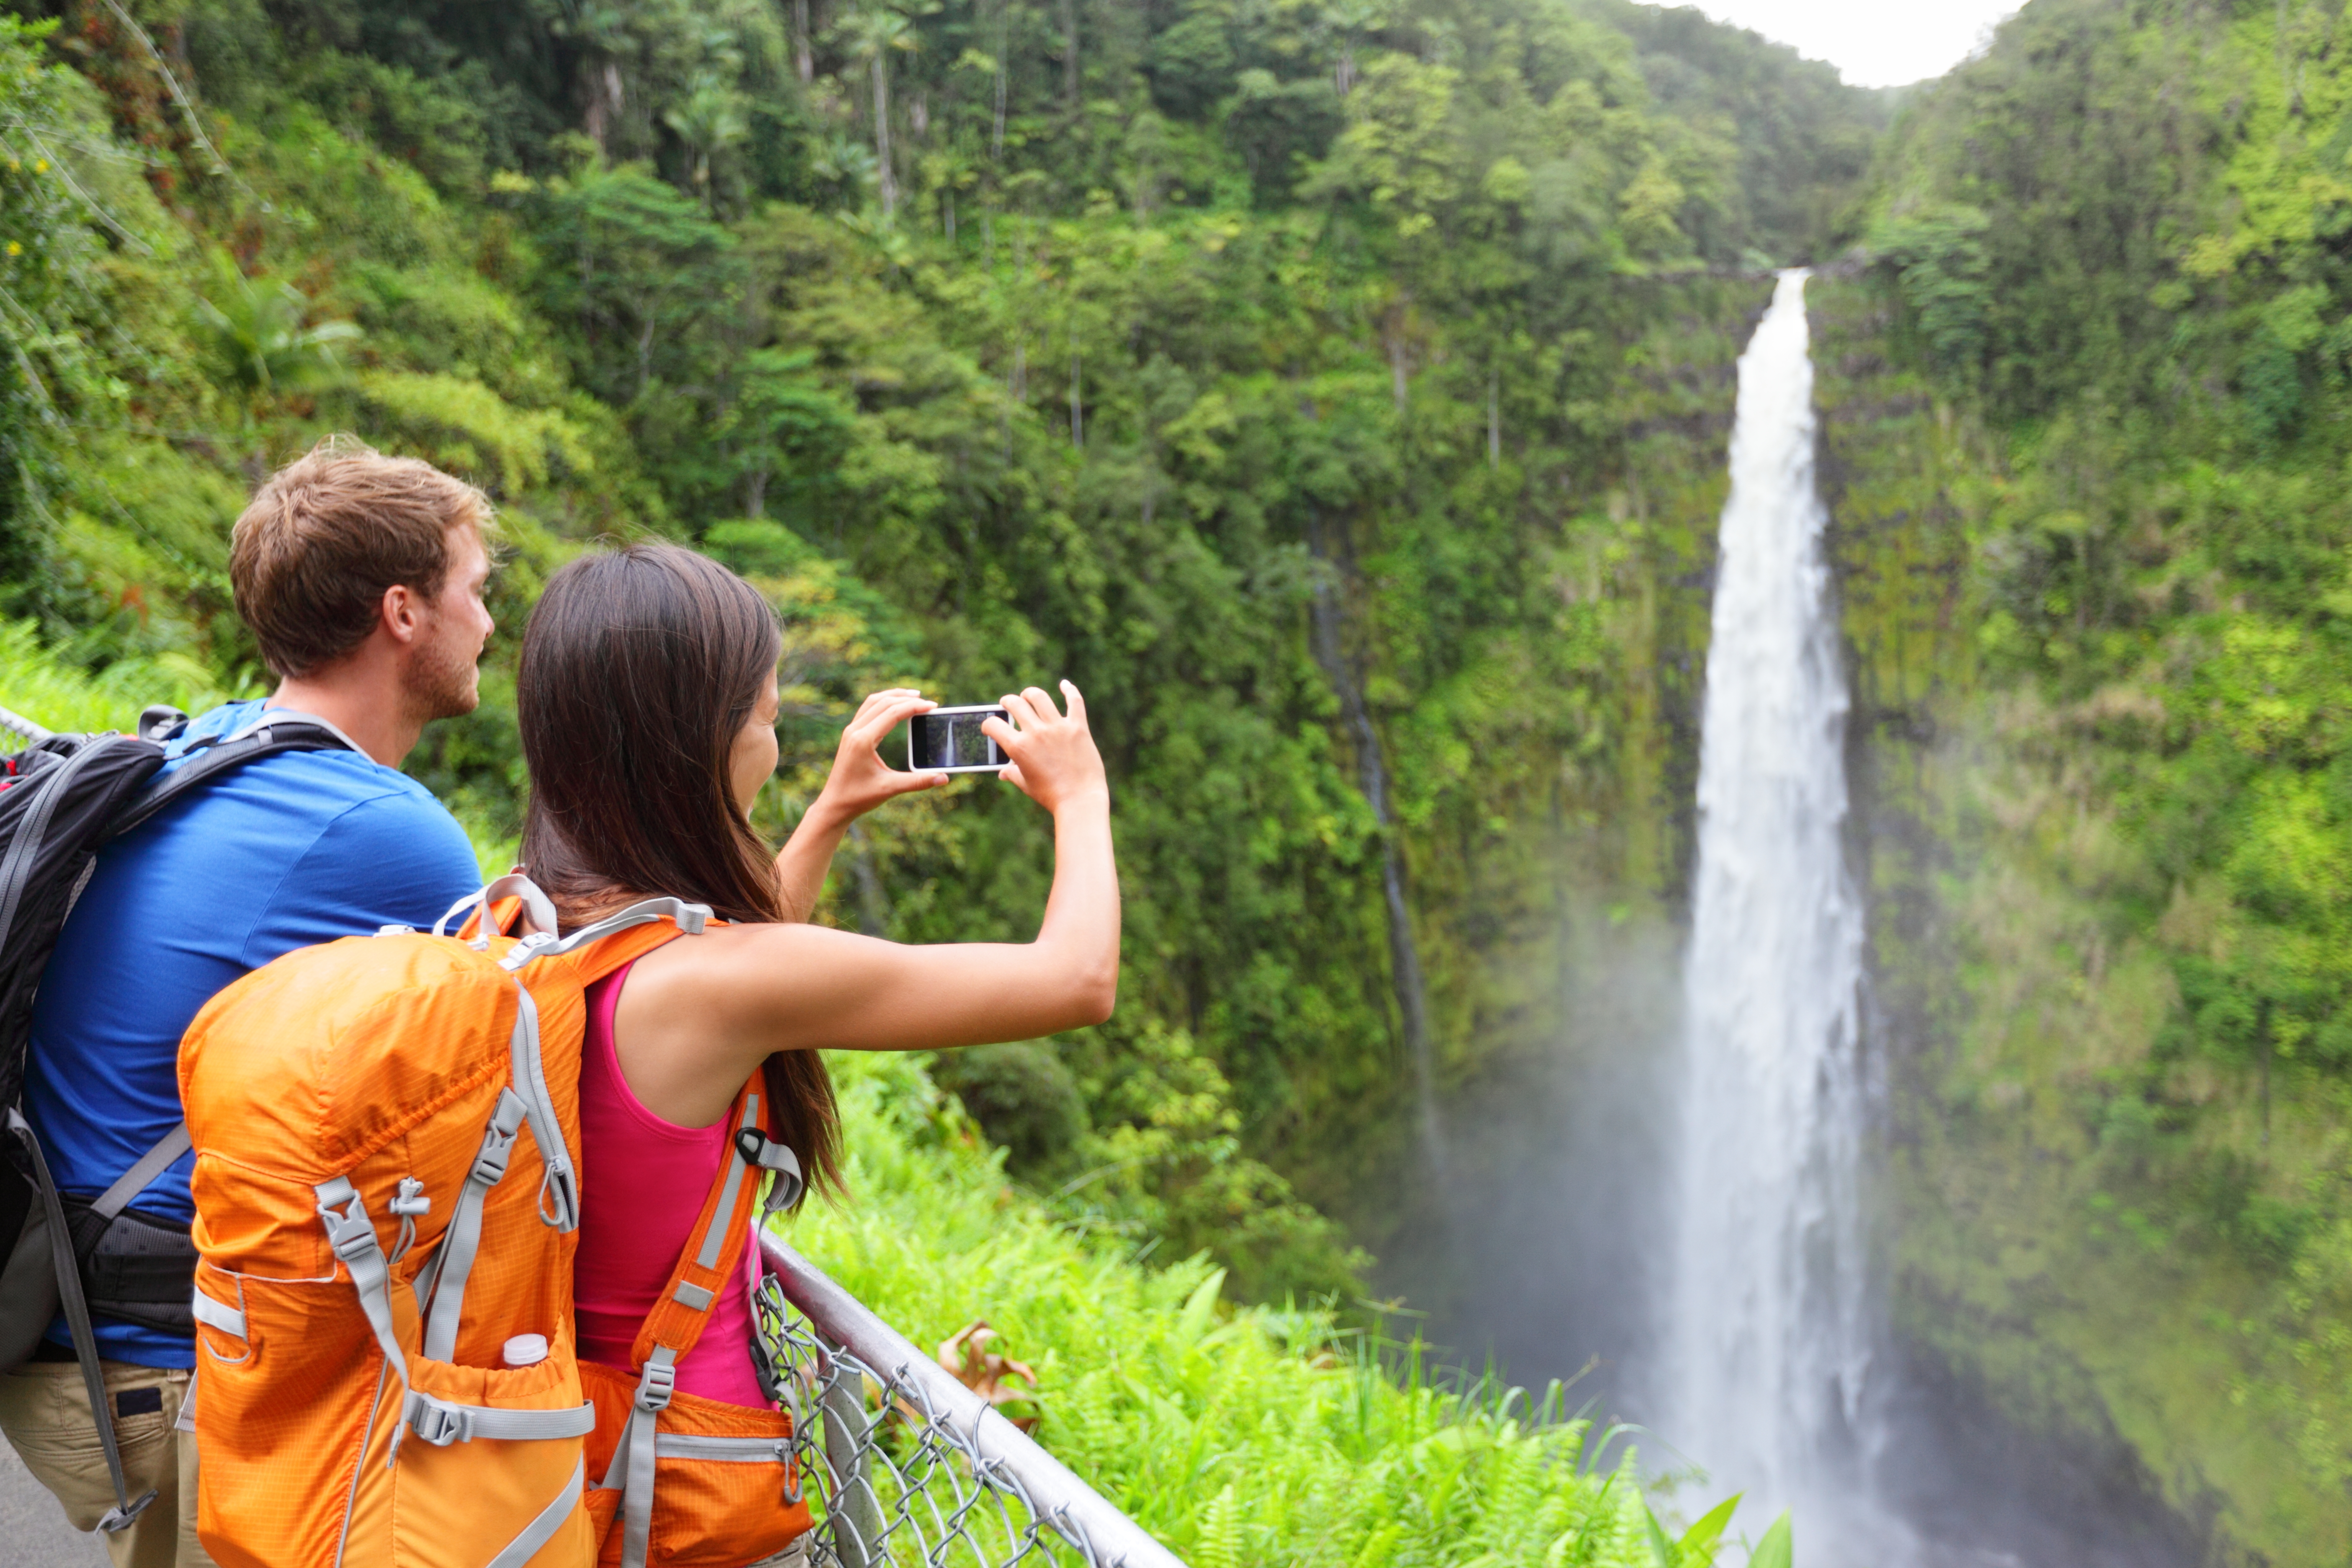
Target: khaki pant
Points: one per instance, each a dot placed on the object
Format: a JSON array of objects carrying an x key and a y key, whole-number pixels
[{"x": 45, "y": 1410}]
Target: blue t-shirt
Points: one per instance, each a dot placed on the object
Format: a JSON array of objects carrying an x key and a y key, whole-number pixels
[{"x": 294, "y": 849}]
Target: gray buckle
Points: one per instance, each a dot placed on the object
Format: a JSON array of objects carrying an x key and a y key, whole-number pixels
[
  {"x": 351, "y": 1233},
  {"x": 491, "y": 1164},
  {"x": 120, "y": 1518},
  {"x": 531, "y": 947},
  {"x": 654, "y": 1386},
  {"x": 440, "y": 1424},
  {"x": 767, "y": 1154}
]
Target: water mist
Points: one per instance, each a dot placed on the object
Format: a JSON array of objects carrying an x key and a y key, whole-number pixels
[{"x": 1767, "y": 1338}]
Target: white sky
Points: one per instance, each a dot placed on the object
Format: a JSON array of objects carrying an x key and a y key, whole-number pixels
[{"x": 1873, "y": 43}]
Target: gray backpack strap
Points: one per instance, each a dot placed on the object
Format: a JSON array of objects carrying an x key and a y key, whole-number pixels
[
  {"x": 135, "y": 1181},
  {"x": 85, "y": 1343}
]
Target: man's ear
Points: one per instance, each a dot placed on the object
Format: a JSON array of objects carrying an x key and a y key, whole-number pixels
[{"x": 401, "y": 613}]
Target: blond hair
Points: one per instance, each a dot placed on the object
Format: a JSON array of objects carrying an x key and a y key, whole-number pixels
[{"x": 325, "y": 536}]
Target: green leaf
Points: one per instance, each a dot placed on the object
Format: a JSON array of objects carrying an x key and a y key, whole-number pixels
[
  {"x": 1660, "y": 1547},
  {"x": 1776, "y": 1550},
  {"x": 1199, "y": 1308},
  {"x": 1696, "y": 1548}
]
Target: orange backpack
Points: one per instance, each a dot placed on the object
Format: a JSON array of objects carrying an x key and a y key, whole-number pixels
[{"x": 374, "y": 1228}]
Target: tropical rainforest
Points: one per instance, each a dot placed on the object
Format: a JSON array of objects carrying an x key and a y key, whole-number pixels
[{"x": 1338, "y": 392}]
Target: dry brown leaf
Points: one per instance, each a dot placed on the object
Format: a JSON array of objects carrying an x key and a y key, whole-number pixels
[{"x": 983, "y": 1371}]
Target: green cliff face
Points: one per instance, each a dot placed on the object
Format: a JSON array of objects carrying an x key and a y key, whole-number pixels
[
  {"x": 2104, "y": 1218},
  {"x": 2078, "y": 1210}
]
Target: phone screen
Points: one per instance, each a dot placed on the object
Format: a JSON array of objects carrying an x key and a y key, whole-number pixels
[{"x": 953, "y": 739}]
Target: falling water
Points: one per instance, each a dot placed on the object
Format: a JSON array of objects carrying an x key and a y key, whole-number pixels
[{"x": 1767, "y": 1341}]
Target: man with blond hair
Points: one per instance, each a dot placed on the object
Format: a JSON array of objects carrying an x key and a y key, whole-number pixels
[{"x": 360, "y": 578}]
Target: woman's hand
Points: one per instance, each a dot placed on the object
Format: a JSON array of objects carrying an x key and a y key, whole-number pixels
[
  {"x": 1054, "y": 756},
  {"x": 860, "y": 779}
]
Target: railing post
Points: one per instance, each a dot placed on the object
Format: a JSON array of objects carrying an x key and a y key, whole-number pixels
[{"x": 848, "y": 1453}]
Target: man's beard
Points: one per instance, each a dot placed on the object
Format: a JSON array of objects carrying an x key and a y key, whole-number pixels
[{"x": 439, "y": 682}]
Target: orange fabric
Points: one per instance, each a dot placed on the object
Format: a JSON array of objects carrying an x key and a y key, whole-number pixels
[
  {"x": 707, "y": 1513},
  {"x": 376, "y": 1058}
]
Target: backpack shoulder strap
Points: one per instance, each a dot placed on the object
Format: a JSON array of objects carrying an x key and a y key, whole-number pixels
[
  {"x": 713, "y": 1243},
  {"x": 717, "y": 1239},
  {"x": 208, "y": 758}
]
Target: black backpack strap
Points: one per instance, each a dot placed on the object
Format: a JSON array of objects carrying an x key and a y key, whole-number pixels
[
  {"x": 85, "y": 1341},
  {"x": 209, "y": 758}
]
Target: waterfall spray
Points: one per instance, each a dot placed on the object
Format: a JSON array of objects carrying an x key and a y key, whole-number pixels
[{"x": 1767, "y": 1338}]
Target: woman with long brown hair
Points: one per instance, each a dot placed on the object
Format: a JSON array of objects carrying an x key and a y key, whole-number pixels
[{"x": 648, "y": 704}]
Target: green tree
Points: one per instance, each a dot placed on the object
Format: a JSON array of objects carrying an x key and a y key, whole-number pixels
[
  {"x": 257, "y": 336},
  {"x": 873, "y": 34}
]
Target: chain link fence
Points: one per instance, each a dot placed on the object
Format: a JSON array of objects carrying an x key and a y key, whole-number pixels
[{"x": 903, "y": 1464}]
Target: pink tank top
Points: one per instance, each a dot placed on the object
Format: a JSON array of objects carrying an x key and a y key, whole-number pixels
[{"x": 642, "y": 1185}]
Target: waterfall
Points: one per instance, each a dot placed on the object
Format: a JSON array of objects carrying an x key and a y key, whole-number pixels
[
  {"x": 1372, "y": 779},
  {"x": 1767, "y": 1338}
]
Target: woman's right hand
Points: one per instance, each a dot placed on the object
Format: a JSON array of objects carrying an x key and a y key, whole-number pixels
[
  {"x": 860, "y": 780},
  {"x": 1055, "y": 760}
]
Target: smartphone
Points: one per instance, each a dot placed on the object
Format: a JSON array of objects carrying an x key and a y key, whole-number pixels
[{"x": 948, "y": 741}]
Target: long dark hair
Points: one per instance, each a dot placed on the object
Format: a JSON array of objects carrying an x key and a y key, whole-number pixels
[{"x": 638, "y": 667}]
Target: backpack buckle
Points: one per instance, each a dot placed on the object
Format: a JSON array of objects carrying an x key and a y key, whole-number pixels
[
  {"x": 491, "y": 1163},
  {"x": 349, "y": 1232},
  {"x": 654, "y": 1386},
  {"x": 525, "y": 950},
  {"x": 438, "y": 1423}
]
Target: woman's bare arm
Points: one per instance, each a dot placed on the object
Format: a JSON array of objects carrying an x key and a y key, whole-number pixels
[{"x": 698, "y": 1015}]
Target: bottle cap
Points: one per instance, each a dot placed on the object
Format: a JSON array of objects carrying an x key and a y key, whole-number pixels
[{"x": 526, "y": 1350}]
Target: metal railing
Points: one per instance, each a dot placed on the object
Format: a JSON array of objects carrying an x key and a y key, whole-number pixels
[
  {"x": 904, "y": 1463},
  {"x": 17, "y": 732}
]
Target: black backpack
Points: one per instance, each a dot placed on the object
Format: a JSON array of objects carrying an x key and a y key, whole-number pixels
[{"x": 61, "y": 797}]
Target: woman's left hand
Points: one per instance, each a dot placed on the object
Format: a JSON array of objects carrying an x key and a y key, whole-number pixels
[{"x": 860, "y": 779}]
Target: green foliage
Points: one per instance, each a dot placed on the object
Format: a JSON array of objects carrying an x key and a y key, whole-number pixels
[
  {"x": 252, "y": 335},
  {"x": 1023, "y": 1099},
  {"x": 61, "y": 697},
  {"x": 2115, "y": 243},
  {"x": 996, "y": 342},
  {"x": 1937, "y": 257},
  {"x": 1804, "y": 139},
  {"x": 1238, "y": 1435},
  {"x": 1699, "y": 1543}
]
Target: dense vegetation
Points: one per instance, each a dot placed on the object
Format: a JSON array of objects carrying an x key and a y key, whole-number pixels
[
  {"x": 1335, "y": 389},
  {"x": 1265, "y": 369},
  {"x": 2117, "y": 248},
  {"x": 1239, "y": 1437}
]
